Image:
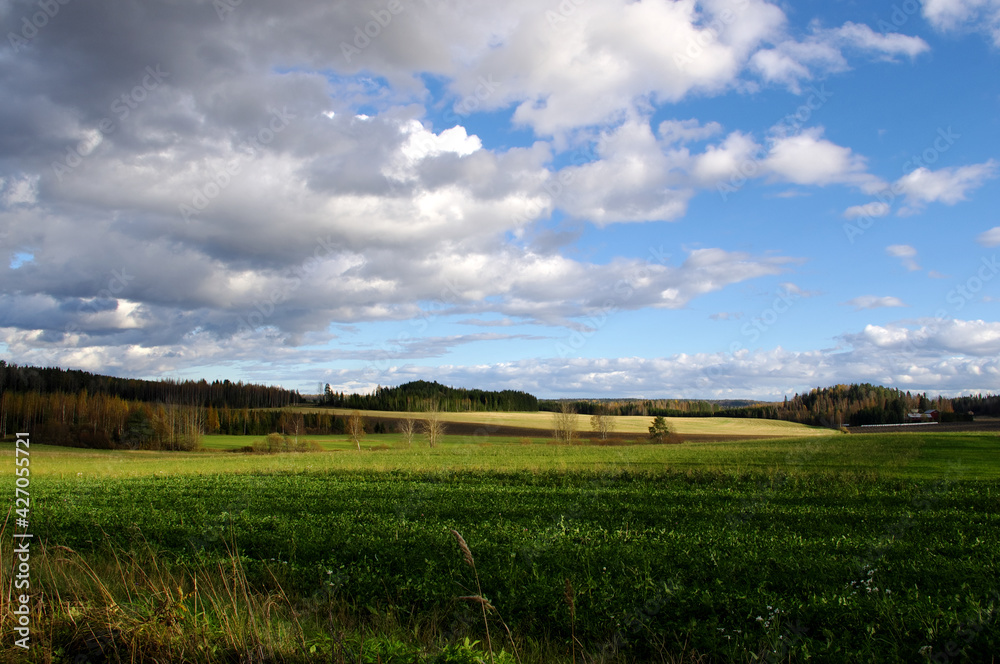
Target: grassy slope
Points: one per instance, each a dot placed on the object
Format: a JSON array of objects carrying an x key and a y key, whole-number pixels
[{"x": 728, "y": 426}]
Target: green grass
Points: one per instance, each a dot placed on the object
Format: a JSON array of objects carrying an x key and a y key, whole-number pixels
[
  {"x": 848, "y": 548},
  {"x": 884, "y": 455}
]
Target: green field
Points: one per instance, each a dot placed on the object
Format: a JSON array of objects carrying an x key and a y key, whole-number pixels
[{"x": 835, "y": 548}]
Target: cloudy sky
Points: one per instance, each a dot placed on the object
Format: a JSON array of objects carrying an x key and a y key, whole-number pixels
[{"x": 727, "y": 198}]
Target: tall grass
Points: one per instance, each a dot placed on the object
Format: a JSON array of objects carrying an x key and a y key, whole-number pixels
[{"x": 120, "y": 605}]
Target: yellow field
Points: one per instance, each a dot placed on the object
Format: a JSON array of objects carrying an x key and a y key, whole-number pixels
[{"x": 716, "y": 426}]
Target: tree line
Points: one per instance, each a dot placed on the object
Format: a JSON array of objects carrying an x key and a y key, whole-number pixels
[
  {"x": 646, "y": 407},
  {"x": 839, "y": 405},
  {"x": 109, "y": 422},
  {"x": 853, "y": 405},
  {"x": 224, "y": 393},
  {"x": 424, "y": 396}
]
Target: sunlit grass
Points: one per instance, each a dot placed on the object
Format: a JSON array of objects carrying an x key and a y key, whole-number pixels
[{"x": 901, "y": 455}]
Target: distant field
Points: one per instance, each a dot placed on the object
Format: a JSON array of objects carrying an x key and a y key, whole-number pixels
[
  {"x": 721, "y": 426},
  {"x": 887, "y": 455}
]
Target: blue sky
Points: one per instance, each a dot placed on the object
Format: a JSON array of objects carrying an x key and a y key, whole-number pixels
[{"x": 725, "y": 199}]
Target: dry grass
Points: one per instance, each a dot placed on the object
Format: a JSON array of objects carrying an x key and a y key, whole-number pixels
[{"x": 718, "y": 426}]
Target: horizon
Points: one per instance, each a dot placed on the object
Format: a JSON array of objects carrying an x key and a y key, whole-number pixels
[{"x": 726, "y": 200}]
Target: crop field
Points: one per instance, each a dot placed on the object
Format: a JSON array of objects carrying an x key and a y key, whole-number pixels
[
  {"x": 721, "y": 426},
  {"x": 840, "y": 548}
]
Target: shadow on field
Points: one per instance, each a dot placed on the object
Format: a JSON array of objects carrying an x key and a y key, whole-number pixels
[{"x": 481, "y": 432}]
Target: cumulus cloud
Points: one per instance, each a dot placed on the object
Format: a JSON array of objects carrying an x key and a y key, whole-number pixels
[
  {"x": 197, "y": 191},
  {"x": 807, "y": 158}
]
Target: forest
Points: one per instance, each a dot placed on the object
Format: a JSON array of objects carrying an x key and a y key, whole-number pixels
[
  {"x": 109, "y": 422},
  {"x": 422, "y": 395},
  {"x": 840, "y": 405},
  {"x": 78, "y": 408},
  {"x": 224, "y": 393}
]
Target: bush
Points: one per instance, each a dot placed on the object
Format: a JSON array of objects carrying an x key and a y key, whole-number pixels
[{"x": 275, "y": 443}]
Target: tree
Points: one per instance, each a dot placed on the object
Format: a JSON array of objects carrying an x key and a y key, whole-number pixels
[
  {"x": 138, "y": 431},
  {"x": 433, "y": 427},
  {"x": 602, "y": 423},
  {"x": 659, "y": 431},
  {"x": 407, "y": 427},
  {"x": 564, "y": 423},
  {"x": 356, "y": 428}
]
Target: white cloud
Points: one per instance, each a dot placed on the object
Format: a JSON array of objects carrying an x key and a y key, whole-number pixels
[
  {"x": 792, "y": 61},
  {"x": 933, "y": 337},
  {"x": 981, "y": 15},
  {"x": 990, "y": 238},
  {"x": 20, "y": 191},
  {"x": 947, "y": 185},
  {"x": 867, "y": 211},
  {"x": 723, "y": 161},
  {"x": 890, "y": 44},
  {"x": 874, "y": 302},
  {"x": 906, "y": 254},
  {"x": 583, "y": 65},
  {"x": 686, "y": 131},
  {"x": 949, "y": 357},
  {"x": 808, "y": 159}
]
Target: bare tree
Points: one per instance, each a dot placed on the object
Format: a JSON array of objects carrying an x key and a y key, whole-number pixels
[
  {"x": 356, "y": 428},
  {"x": 564, "y": 423},
  {"x": 602, "y": 424},
  {"x": 408, "y": 428},
  {"x": 433, "y": 427}
]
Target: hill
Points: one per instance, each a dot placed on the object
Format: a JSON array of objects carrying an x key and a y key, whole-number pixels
[{"x": 422, "y": 395}]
